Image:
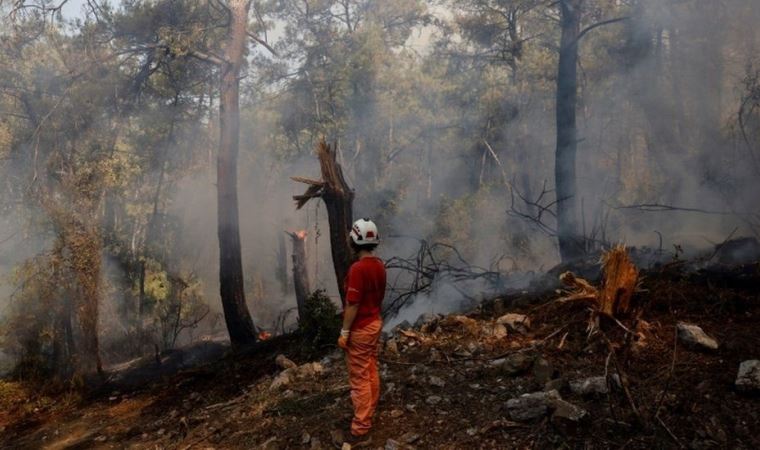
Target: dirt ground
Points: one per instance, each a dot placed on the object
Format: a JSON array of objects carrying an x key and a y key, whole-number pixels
[{"x": 445, "y": 386}]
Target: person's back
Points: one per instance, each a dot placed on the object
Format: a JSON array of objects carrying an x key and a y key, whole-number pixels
[{"x": 362, "y": 324}]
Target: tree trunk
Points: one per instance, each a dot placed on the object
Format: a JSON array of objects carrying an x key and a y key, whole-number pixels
[
  {"x": 300, "y": 273},
  {"x": 339, "y": 199},
  {"x": 570, "y": 242},
  {"x": 232, "y": 290}
]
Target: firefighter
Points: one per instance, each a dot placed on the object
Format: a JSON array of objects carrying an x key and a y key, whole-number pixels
[{"x": 365, "y": 289}]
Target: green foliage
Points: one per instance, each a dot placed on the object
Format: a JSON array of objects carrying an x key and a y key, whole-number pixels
[{"x": 321, "y": 325}]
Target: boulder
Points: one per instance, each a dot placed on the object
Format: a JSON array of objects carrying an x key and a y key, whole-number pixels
[
  {"x": 532, "y": 406},
  {"x": 693, "y": 336},
  {"x": 519, "y": 323},
  {"x": 748, "y": 378}
]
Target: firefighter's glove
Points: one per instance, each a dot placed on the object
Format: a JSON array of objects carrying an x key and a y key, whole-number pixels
[{"x": 343, "y": 339}]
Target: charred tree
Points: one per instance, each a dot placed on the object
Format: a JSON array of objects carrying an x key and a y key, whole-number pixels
[
  {"x": 300, "y": 273},
  {"x": 570, "y": 243},
  {"x": 238, "y": 318},
  {"x": 339, "y": 199}
]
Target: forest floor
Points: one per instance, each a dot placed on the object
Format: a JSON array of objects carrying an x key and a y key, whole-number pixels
[{"x": 447, "y": 384}]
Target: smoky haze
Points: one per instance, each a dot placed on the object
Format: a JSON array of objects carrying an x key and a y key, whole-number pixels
[{"x": 444, "y": 144}]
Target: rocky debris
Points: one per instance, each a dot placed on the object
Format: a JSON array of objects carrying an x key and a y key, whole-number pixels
[
  {"x": 519, "y": 323},
  {"x": 748, "y": 378},
  {"x": 433, "y": 400},
  {"x": 567, "y": 417},
  {"x": 535, "y": 405},
  {"x": 463, "y": 323},
  {"x": 543, "y": 371},
  {"x": 593, "y": 385},
  {"x": 426, "y": 322},
  {"x": 303, "y": 372},
  {"x": 283, "y": 362},
  {"x": 409, "y": 438},
  {"x": 693, "y": 336},
  {"x": 529, "y": 407},
  {"x": 496, "y": 330},
  {"x": 516, "y": 364},
  {"x": 392, "y": 444},
  {"x": 436, "y": 381}
]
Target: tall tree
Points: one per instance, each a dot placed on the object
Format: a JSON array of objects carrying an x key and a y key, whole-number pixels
[{"x": 232, "y": 289}]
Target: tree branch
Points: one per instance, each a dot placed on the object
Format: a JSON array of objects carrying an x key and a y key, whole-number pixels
[
  {"x": 599, "y": 24},
  {"x": 262, "y": 42}
]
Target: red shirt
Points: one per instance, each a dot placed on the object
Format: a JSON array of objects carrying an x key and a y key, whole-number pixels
[{"x": 365, "y": 286}]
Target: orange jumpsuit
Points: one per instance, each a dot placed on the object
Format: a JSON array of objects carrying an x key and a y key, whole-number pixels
[{"x": 365, "y": 286}]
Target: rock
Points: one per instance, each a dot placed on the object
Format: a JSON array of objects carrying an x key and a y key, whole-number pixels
[
  {"x": 472, "y": 431},
  {"x": 748, "y": 378},
  {"x": 392, "y": 444},
  {"x": 282, "y": 380},
  {"x": 567, "y": 417},
  {"x": 283, "y": 362},
  {"x": 345, "y": 446},
  {"x": 516, "y": 364},
  {"x": 693, "y": 336},
  {"x": 437, "y": 382},
  {"x": 409, "y": 438},
  {"x": 316, "y": 444},
  {"x": 433, "y": 400},
  {"x": 396, "y": 413},
  {"x": 305, "y": 438},
  {"x": 519, "y": 323},
  {"x": 543, "y": 371},
  {"x": 531, "y": 406},
  {"x": 592, "y": 385}
]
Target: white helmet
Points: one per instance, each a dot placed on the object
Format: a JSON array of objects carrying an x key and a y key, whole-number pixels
[{"x": 364, "y": 232}]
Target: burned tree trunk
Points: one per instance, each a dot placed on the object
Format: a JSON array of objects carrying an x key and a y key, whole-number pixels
[
  {"x": 232, "y": 290},
  {"x": 300, "y": 273},
  {"x": 338, "y": 198},
  {"x": 570, "y": 243}
]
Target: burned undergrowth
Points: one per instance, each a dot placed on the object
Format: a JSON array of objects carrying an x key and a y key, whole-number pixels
[{"x": 460, "y": 381}]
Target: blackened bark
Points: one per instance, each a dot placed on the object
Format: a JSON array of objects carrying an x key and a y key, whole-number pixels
[
  {"x": 300, "y": 273},
  {"x": 339, "y": 199},
  {"x": 570, "y": 242},
  {"x": 232, "y": 290}
]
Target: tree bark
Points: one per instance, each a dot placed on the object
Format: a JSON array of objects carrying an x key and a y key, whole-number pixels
[
  {"x": 339, "y": 199},
  {"x": 231, "y": 286},
  {"x": 570, "y": 242},
  {"x": 300, "y": 272}
]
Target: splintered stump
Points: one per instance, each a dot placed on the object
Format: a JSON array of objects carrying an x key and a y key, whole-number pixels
[
  {"x": 338, "y": 198},
  {"x": 618, "y": 285},
  {"x": 300, "y": 274}
]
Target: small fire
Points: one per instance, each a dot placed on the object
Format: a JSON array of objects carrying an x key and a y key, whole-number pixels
[
  {"x": 301, "y": 234},
  {"x": 265, "y": 336}
]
